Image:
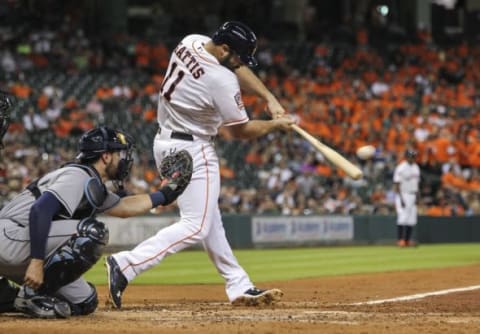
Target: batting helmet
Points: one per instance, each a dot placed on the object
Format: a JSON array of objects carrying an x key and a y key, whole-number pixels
[{"x": 240, "y": 38}]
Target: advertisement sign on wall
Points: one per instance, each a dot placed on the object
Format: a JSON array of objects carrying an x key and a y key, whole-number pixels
[{"x": 301, "y": 229}]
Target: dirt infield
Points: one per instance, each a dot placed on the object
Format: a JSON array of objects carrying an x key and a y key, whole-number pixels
[{"x": 320, "y": 305}]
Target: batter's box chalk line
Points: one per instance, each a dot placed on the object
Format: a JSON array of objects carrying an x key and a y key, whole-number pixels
[{"x": 417, "y": 296}]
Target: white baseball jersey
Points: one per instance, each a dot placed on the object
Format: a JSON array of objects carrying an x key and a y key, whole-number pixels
[
  {"x": 209, "y": 96},
  {"x": 408, "y": 176},
  {"x": 198, "y": 95}
]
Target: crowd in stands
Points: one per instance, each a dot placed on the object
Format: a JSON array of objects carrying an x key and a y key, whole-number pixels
[{"x": 409, "y": 95}]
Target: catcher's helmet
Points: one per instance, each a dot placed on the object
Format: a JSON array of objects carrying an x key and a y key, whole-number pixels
[
  {"x": 102, "y": 139},
  {"x": 240, "y": 38}
]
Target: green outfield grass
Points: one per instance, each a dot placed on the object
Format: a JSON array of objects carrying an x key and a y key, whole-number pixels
[{"x": 194, "y": 267}]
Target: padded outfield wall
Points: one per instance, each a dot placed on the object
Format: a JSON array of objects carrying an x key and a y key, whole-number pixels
[{"x": 246, "y": 231}]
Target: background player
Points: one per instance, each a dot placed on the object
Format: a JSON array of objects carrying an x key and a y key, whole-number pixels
[
  {"x": 50, "y": 236},
  {"x": 406, "y": 179},
  {"x": 200, "y": 93}
]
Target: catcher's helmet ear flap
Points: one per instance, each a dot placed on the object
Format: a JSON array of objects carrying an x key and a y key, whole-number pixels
[
  {"x": 240, "y": 38},
  {"x": 102, "y": 139}
]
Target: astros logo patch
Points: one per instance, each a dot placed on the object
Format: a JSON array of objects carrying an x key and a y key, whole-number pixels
[{"x": 239, "y": 101}]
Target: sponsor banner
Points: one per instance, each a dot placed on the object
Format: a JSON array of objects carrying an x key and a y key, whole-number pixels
[
  {"x": 301, "y": 229},
  {"x": 132, "y": 231}
]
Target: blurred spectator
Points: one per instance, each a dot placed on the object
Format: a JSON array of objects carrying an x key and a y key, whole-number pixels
[
  {"x": 7, "y": 61},
  {"x": 95, "y": 109},
  {"x": 35, "y": 124},
  {"x": 285, "y": 200}
]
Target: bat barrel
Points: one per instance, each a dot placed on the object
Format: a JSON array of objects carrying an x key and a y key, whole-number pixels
[{"x": 331, "y": 155}]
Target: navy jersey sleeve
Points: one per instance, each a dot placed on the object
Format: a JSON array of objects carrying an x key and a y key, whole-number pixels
[{"x": 41, "y": 214}]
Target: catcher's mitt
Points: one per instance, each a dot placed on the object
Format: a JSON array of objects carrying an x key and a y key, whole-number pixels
[
  {"x": 7, "y": 102},
  {"x": 175, "y": 172}
]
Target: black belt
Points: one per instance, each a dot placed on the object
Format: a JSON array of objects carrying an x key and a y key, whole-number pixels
[{"x": 178, "y": 135}]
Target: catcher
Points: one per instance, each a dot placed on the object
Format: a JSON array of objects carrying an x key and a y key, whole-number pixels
[{"x": 50, "y": 233}]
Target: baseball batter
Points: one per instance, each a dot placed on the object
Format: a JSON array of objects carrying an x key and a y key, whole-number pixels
[
  {"x": 406, "y": 179},
  {"x": 199, "y": 94},
  {"x": 50, "y": 236}
]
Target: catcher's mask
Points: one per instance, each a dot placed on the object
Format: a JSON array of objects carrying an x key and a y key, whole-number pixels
[
  {"x": 103, "y": 139},
  {"x": 240, "y": 38}
]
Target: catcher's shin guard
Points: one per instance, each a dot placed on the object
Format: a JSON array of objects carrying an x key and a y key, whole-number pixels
[
  {"x": 77, "y": 256},
  {"x": 88, "y": 306}
]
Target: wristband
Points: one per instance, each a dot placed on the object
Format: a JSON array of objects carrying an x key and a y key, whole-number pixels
[{"x": 157, "y": 199}]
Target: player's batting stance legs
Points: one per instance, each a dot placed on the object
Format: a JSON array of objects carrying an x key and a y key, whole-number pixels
[
  {"x": 200, "y": 221},
  {"x": 199, "y": 218}
]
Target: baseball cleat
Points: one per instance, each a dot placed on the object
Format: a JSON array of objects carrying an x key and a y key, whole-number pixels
[
  {"x": 117, "y": 282},
  {"x": 258, "y": 297},
  {"x": 41, "y": 306}
]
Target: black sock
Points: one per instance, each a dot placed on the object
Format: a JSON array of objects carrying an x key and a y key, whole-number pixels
[
  {"x": 408, "y": 232},
  {"x": 400, "y": 232}
]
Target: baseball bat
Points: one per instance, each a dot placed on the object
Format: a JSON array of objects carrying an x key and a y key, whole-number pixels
[{"x": 330, "y": 154}]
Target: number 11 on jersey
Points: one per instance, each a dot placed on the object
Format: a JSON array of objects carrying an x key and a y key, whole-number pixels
[{"x": 167, "y": 92}]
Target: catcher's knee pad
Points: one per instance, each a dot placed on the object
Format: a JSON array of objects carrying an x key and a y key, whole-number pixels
[
  {"x": 76, "y": 256},
  {"x": 88, "y": 306}
]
